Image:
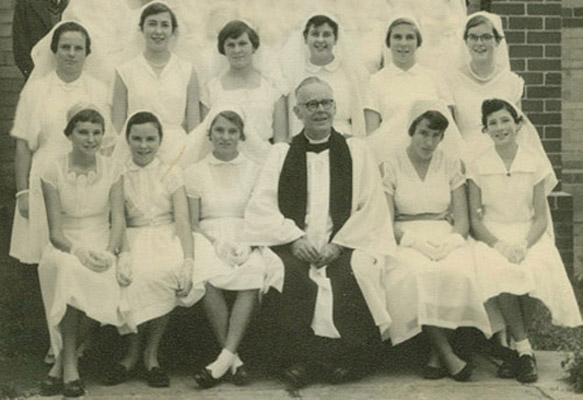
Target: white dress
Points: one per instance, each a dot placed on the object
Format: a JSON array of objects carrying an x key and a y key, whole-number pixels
[
  {"x": 468, "y": 95},
  {"x": 507, "y": 206},
  {"x": 85, "y": 217},
  {"x": 391, "y": 93},
  {"x": 257, "y": 105},
  {"x": 421, "y": 292},
  {"x": 156, "y": 250},
  {"x": 165, "y": 95},
  {"x": 40, "y": 119},
  {"x": 224, "y": 188}
]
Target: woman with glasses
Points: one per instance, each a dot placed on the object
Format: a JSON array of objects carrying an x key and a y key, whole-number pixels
[{"x": 482, "y": 71}]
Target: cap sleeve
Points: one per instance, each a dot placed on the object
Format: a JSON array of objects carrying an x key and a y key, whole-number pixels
[
  {"x": 26, "y": 120},
  {"x": 389, "y": 177},
  {"x": 472, "y": 173},
  {"x": 51, "y": 174},
  {"x": 192, "y": 182},
  {"x": 372, "y": 94},
  {"x": 454, "y": 174},
  {"x": 173, "y": 180}
]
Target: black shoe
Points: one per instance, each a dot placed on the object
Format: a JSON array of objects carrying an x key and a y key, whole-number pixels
[
  {"x": 73, "y": 389},
  {"x": 507, "y": 370},
  {"x": 51, "y": 386},
  {"x": 526, "y": 369},
  {"x": 241, "y": 376},
  {"x": 205, "y": 380},
  {"x": 464, "y": 375},
  {"x": 116, "y": 374},
  {"x": 299, "y": 375},
  {"x": 431, "y": 372},
  {"x": 157, "y": 378}
]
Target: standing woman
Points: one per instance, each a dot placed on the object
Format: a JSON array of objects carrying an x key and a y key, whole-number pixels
[
  {"x": 481, "y": 71},
  {"x": 320, "y": 50},
  {"x": 77, "y": 271},
  {"x": 248, "y": 87},
  {"x": 158, "y": 81},
  {"x": 58, "y": 82},
  {"x": 162, "y": 251},
  {"x": 431, "y": 285},
  {"x": 394, "y": 89},
  {"x": 515, "y": 251},
  {"x": 219, "y": 187}
]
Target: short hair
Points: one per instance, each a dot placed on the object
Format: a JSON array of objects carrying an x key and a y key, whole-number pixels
[
  {"x": 70, "y": 26},
  {"x": 435, "y": 119},
  {"x": 232, "y": 117},
  {"x": 490, "y": 106},
  {"x": 403, "y": 21},
  {"x": 144, "y": 117},
  {"x": 309, "y": 80},
  {"x": 233, "y": 30},
  {"x": 479, "y": 20},
  {"x": 317, "y": 21},
  {"x": 158, "y": 8},
  {"x": 84, "y": 115}
]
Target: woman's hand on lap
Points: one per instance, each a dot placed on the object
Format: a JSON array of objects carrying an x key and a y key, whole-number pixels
[{"x": 123, "y": 272}]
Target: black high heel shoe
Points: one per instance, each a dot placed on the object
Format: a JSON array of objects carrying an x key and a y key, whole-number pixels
[
  {"x": 73, "y": 389},
  {"x": 465, "y": 375}
]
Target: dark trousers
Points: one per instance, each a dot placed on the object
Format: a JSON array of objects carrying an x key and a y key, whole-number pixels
[{"x": 359, "y": 335}]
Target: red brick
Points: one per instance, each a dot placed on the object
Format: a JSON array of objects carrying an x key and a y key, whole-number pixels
[
  {"x": 526, "y": 51},
  {"x": 543, "y": 37},
  {"x": 11, "y": 85},
  {"x": 552, "y": 132},
  {"x": 553, "y": 51},
  {"x": 544, "y": 64},
  {"x": 526, "y": 22},
  {"x": 552, "y": 146},
  {"x": 543, "y": 9},
  {"x": 533, "y": 78},
  {"x": 546, "y": 118},
  {"x": 553, "y": 78},
  {"x": 553, "y": 23},
  {"x": 567, "y": 12},
  {"x": 532, "y": 105},
  {"x": 515, "y": 37},
  {"x": 517, "y": 65},
  {"x": 572, "y": 22},
  {"x": 8, "y": 99},
  {"x": 553, "y": 105},
  {"x": 509, "y": 8},
  {"x": 543, "y": 92},
  {"x": 578, "y": 11}
]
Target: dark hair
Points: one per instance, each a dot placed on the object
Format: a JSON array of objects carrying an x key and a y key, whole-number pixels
[
  {"x": 232, "y": 117},
  {"x": 233, "y": 30},
  {"x": 157, "y": 8},
  {"x": 70, "y": 27},
  {"x": 490, "y": 106},
  {"x": 84, "y": 115},
  {"x": 317, "y": 21},
  {"x": 436, "y": 120},
  {"x": 403, "y": 21},
  {"x": 144, "y": 117},
  {"x": 479, "y": 20}
]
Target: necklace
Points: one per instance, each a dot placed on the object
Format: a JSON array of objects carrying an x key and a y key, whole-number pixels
[{"x": 479, "y": 78}]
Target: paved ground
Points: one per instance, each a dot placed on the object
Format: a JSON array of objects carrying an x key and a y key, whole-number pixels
[{"x": 386, "y": 385}]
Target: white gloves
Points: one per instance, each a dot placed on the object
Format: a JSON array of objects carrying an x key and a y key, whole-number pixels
[
  {"x": 184, "y": 277},
  {"x": 434, "y": 250},
  {"x": 513, "y": 252},
  {"x": 233, "y": 253},
  {"x": 123, "y": 272},
  {"x": 95, "y": 260}
]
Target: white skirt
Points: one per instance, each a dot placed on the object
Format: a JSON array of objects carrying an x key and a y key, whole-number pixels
[
  {"x": 157, "y": 257},
  {"x": 66, "y": 282},
  {"x": 441, "y": 293},
  {"x": 541, "y": 274},
  {"x": 211, "y": 268}
]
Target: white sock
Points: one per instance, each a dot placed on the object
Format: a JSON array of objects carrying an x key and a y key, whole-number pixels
[
  {"x": 222, "y": 364},
  {"x": 523, "y": 347},
  {"x": 237, "y": 362}
]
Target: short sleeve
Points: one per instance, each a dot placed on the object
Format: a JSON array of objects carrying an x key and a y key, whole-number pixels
[
  {"x": 371, "y": 97},
  {"x": 173, "y": 180},
  {"x": 275, "y": 92},
  {"x": 455, "y": 175},
  {"x": 51, "y": 174},
  {"x": 205, "y": 94},
  {"x": 389, "y": 178},
  {"x": 192, "y": 182},
  {"x": 26, "y": 120},
  {"x": 517, "y": 88},
  {"x": 472, "y": 173}
]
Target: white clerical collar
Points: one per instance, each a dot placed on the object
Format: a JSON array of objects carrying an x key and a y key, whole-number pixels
[
  {"x": 330, "y": 67},
  {"x": 212, "y": 160},
  {"x": 317, "y": 141}
]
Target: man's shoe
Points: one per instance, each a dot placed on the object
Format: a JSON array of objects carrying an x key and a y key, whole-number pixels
[
  {"x": 526, "y": 369},
  {"x": 299, "y": 375}
]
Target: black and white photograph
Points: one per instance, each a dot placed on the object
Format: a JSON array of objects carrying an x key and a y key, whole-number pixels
[{"x": 293, "y": 199}]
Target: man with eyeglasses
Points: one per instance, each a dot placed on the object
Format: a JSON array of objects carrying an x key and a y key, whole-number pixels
[{"x": 319, "y": 205}]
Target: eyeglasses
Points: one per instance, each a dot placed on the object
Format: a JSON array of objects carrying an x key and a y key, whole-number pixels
[
  {"x": 486, "y": 37},
  {"x": 313, "y": 105}
]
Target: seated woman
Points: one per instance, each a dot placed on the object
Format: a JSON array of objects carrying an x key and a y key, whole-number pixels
[
  {"x": 162, "y": 251},
  {"x": 219, "y": 188},
  {"x": 515, "y": 252},
  {"x": 158, "y": 81},
  {"x": 77, "y": 270},
  {"x": 248, "y": 87},
  {"x": 431, "y": 284}
]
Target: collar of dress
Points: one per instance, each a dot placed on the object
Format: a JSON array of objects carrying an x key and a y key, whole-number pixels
[
  {"x": 330, "y": 67},
  {"x": 212, "y": 160}
]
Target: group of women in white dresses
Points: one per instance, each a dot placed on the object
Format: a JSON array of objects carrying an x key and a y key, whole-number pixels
[{"x": 139, "y": 207}]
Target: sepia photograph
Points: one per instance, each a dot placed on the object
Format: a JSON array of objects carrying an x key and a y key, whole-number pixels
[{"x": 313, "y": 199}]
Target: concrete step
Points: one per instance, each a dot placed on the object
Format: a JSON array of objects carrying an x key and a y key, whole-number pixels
[{"x": 402, "y": 384}]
